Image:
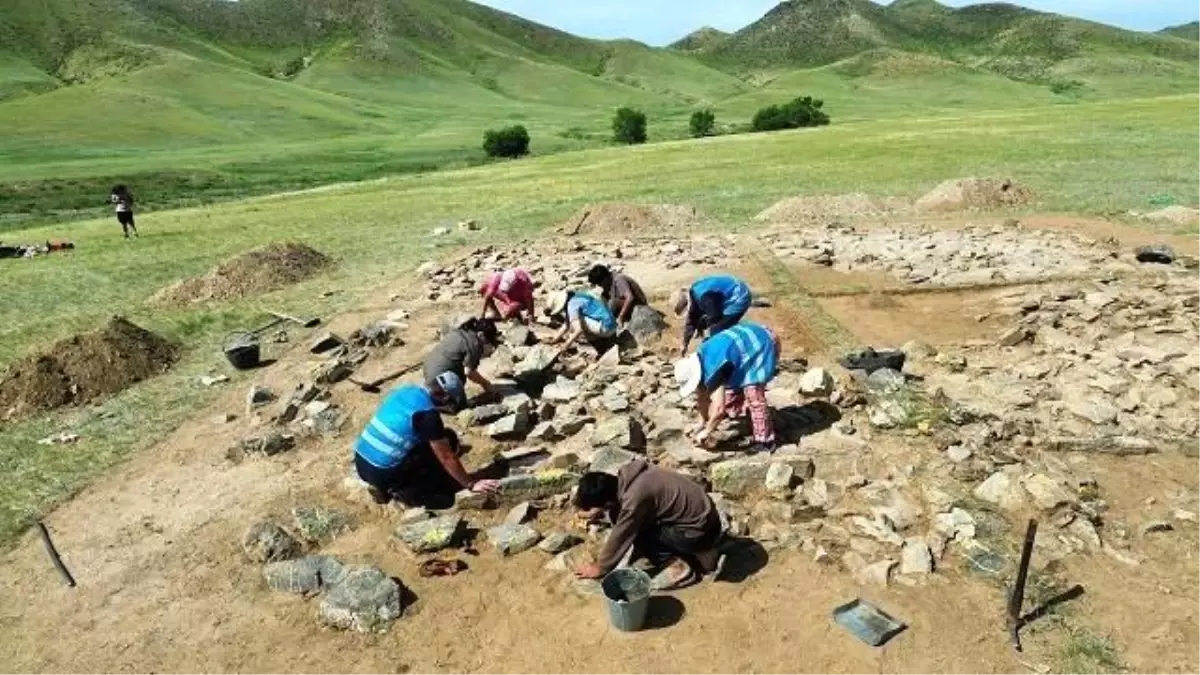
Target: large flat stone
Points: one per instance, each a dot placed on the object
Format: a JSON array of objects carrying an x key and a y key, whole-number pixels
[
  {"x": 511, "y": 539},
  {"x": 431, "y": 535},
  {"x": 365, "y": 600}
]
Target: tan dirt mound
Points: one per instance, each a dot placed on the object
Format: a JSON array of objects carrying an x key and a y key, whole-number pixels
[
  {"x": 82, "y": 368},
  {"x": 252, "y": 273},
  {"x": 622, "y": 218},
  {"x": 822, "y": 208},
  {"x": 1176, "y": 215},
  {"x": 962, "y": 194}
]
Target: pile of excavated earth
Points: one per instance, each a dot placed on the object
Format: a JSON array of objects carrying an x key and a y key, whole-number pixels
[
  {"x": 251, "y": 273},
  {"x": 83, "y": 368},
  {"x": 888, "y": 473}
]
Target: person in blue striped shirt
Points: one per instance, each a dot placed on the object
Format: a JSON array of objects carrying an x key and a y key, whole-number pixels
[
  {"x": 406, "y": 453},
  {"x": 729, "y": 374},
  {"x": 711, "y": 305},
  {"x": 584, "y": 316}
]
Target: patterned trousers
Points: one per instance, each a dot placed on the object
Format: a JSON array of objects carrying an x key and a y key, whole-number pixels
[{"x": 753, "y": 400}]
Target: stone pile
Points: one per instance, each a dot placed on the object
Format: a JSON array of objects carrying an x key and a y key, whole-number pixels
[
  {"x": 969, "y": 256},
  {"x": 564, "y": 264}
]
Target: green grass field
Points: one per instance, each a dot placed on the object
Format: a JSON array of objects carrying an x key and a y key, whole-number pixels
[{"x": 1090, "y": 157}]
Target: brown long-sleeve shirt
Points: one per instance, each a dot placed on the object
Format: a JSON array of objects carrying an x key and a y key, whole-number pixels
[{"x": 652, "y": 497}]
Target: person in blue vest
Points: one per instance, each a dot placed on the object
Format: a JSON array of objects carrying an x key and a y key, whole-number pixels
[
  {"x": 729, "y": 375},
  {"x": 711, "y": 305},
  {"x": 405, "y": 452},
  {"x": 584, "y": 316}
]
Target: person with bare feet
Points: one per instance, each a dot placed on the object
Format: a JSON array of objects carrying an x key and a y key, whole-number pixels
[
  {"x": 584, "y": 316},
  {"x": 729, "y": 374},
  {"x": 711, "y": 305},
  {"x": 619, "y": 291},
  {"x": 665, "y": 517},
  {"x": 508, "y": 295},
  {"x": 405, "y": 452}
]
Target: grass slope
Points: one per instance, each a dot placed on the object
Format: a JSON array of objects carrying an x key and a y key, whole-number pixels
[{"x": 1102, "y": 156}]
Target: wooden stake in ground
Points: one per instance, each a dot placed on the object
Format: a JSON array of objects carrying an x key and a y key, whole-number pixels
[
  {"x": 1017, "y": 598},
  {"x": 58, "y": 563}
]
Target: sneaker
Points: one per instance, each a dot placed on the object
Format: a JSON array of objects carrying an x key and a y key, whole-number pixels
[{"x": 673, "y": 577}]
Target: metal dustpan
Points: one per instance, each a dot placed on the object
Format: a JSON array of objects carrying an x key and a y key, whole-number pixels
[{"x": 867, "y": 622}]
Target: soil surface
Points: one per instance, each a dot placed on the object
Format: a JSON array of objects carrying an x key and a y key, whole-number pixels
[
  {"x": 85, "y": 367},
  {"x": 619, "y": 218},
  {"x": 252, "y": 273}
]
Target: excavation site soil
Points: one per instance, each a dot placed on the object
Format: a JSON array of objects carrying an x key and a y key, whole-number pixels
[{"x": 1049, "y": 375}]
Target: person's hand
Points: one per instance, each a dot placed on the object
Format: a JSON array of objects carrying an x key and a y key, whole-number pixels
[
  {"x": 592, "y": 515},
  {"x": 485, "y": 486},
  {"x": 704, "y": 439},
  {"x": 591, "y": 571}
]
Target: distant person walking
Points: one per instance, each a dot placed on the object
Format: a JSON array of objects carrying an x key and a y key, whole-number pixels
[{"x": 122, "y": 198}]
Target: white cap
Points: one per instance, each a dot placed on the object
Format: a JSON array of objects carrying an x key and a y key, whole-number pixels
[
  {"x": 687, "y": 374},
  {"x": 557, "y": 302}
]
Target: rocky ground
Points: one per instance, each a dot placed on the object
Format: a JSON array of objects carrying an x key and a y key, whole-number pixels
[{"x": 889, "y": 479}]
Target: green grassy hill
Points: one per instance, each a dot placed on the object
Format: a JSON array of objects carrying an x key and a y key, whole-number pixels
[
  {"x": 199, "y": 100},
  {"x": 1187, "y": 31}
]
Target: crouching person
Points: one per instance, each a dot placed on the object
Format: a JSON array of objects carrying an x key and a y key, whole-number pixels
[
  {"x": 729, "y": 374},
  {"x": 662, "y": 515},
  {"x": 584, "y": 316},
  {"x": 406, "y": 453}
]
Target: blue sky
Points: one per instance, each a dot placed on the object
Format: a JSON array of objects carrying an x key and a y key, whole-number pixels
[{"x": 659, "y": 22}]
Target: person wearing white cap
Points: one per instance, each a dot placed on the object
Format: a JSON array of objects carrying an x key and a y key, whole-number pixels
[
  {"x": 406, "y": 452},
  {"x": 711, "y": 305},
  {"x": 729, "y": 375},
  {"x": 585, "y": 316}
]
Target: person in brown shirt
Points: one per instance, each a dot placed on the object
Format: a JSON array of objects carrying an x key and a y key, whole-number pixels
[
  {"x": 619, "y": 291},
  {"x": 664, "y": 516}
]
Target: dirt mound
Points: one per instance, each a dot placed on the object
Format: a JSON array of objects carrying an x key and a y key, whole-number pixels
[
  {"x": 822, "y": 208},
  {"x": 963, "y": 194},
  {"x": 622, "y": 218},
  {"x": 82, "y": 368},
  {"x": 259, "y": 271},
  {"x": 1176, "y": 215}
]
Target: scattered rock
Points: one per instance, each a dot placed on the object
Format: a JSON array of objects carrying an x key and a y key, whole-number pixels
[
  {"x": 817, "y": 383},
  {"x": 610, "y": 358},
  {"x": 520, "y": 514},
  {"x": 915, "y": 557},
  {"x": 210, "y": 380},
  {"x": 518, "y": 336},
  {"x": 510, "y": 428},
  {"x": 258, "y": 397},
  {"x": 562, "y": 390},
  {"x": 1046, "y": 493},
  {"x": 427, "y": 536},
  {"x": 318, "y": 524},
  {"x": 646, "y": 325},
  {"x": 304, "y": 576},
  {"x": 1093, "y": 410},
  {"x": 887, "y": 413},
  {"x": 1013, "y": 337},
  {"x": 486, "y": 414},
  {"x": 1159, "y": 253},
  {"x": 876, "y": 574},
  {"x": 365, "y": 600},
  {"x": 1157, "y": 526},
  {"x": 267, "y": 542},
  {"x": 886, "y": 381},
  {"x": 326, "y": 342},
  {"x": 620, "y": 432},
  {"x": 512, "y": 539},
  {"x": 1002, "y": 490},
  {"x": 557, "y": 542},
  {"x": 957, "y": 525},
  {"x": 269, "y": 444},
  {"x": 916, "y": 348},
  {"x": 738, "y": 477},
  {"x": 816, "y": 493},
  {"x": 610, "y": 460},
  {"x": 958, "y": 453},
  {"x": 779, "y": 477},
  {"x": 415, "y": 514},
  {"x": 1187, "y": 516}
]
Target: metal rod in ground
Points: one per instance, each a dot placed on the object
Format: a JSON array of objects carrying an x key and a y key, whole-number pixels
[
  {"x": 54, "y": 558},
  {"x": 1017, "y": 598}
]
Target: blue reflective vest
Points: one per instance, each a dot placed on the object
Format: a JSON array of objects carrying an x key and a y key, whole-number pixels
[
  {"x": 390, "y": 435},
  {"x": 593, "y": 308},
  {"x": 734, "y": 290},
  {"x": 749, "y": 347}
]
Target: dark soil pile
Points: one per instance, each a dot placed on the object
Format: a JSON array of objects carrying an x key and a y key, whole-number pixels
[
  {"x": 618, "y": 218},
  {"x": 966, "y": 194},
  {"x": 252, "y": 273},
  {"x": 83, "y": 368}
]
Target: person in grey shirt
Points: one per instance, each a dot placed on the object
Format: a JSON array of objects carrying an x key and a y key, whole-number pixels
[
  {"x": 459, "y": 352},
  {"x": 618, "y": 290}
]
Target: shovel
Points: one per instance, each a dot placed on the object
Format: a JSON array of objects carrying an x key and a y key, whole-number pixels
[{"x": 373, "y": 387}]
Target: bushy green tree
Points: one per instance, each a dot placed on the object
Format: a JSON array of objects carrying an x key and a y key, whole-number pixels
[
  {"x": 702, "y": 123},
  {"x": 804, "y": 111},
  {"x": 629, "y": 126},
  {"x": 508, "y": 142}
]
